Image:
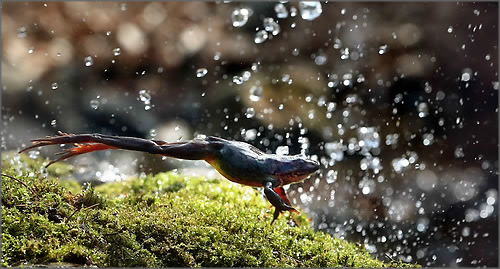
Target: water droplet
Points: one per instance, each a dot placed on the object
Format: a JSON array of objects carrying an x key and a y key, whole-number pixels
[
  {"x": 116, "y": 51},
  {"x": 428, "y": 139},
  {"x": 310, "y": 114},
  {"x": 366, "y": 185},
  {"x": 94, "y": 103},
  {"x": 89, "y": 61},
  {"x": 217, "y": 56},
  {"x": 382, "y": 49},
  {"x": 271, "y": 26},
  {"x": 450, "y": 29},
  {"x": 256, "y": 93},
  {"x": 250, "y": 113},
  {"x": 320, "y": 60},
  {"x": 331, "y": 106},
  {"x": 310, "y": 10},
  {"x": 282, "y": 150},
  {"x": 281, "y": 11},
  {"x": 31, "y": 50},
  {"x": 466, "y": 74},
  {"x": 335, "y": 150},
  {"x": 201, "y": 72},
  {"x": 459, "y": 152},
  {"x": 34, "y": 154},
  {"x": 152, "y": 133},
  {"x": 240, "y": 17},
  {"x": 246, "y": 75},
  {"x": 21, "y": 32},
  {"x": 145, "y": 97},
  {"x": 344, "y": 54},
  {"x": 55, "y": 86},
  {"x": 477, "y": 12},
  {"x": 237, "y": 80},
  {"x": 293, "y": 12},
  {"x": 423, "y": 110},
  {"x": 250, "y": 134},
  {"x": 53, "y": 123},
  {"x": 260, "y": 36}
]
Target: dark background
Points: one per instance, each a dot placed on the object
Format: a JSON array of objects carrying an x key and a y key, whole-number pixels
[{"x": 399, "y": 102}]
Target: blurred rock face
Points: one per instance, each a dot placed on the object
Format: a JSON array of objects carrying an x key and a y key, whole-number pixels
[{"x": 398, "y": 101}]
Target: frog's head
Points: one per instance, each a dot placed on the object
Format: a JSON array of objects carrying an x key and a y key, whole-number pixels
[{"x": 291, "y": 169}]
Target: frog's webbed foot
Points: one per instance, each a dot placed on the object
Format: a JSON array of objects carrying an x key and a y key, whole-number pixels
[{"x": 278, "y": 199}]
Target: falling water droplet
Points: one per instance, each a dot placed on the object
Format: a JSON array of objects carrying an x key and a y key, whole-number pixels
[
  {"x": 89, "y": 61},
  {"x": 116, "y": 51},
  {"x": 55, "y": 86},
  {"x": 240, "y": 17},
  {"x": 21, "y": 32},
  {"x": 201, "y": 72},
  {"x": 34, "y": 154},
  {"x": 144, "y": 96},
  {"x": 260, "y": 36},
  {"x": 271, "y": 26},
  {"x": 53, "y": 123},
  {"x": 282, "y": 150},
  {"x": 237, "y": 80},
  {"x": 250, "y": 113},
  {"x": 256, "y": 93},
  {"x": 281, "y": 11},
  {"x": 94, "y": 103},
  {"x": 310, "y": 10},
  {"x": 152, "y": 133},
  {"x": 423, "y": 110},
  {"x": 466, "y": 74},
  {"x": 382, "y": 49}
]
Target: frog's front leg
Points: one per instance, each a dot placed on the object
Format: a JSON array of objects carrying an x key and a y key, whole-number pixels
[{"x": 278, "y": 199}]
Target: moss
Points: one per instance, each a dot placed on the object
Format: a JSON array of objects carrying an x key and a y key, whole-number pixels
[{"x": 156, "y": 221}]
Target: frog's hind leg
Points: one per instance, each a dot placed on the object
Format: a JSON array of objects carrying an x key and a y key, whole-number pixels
[{"x": 85, "y": 143}]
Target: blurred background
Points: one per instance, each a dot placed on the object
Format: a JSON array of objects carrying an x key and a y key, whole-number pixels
[{"x": 398, "y": 101}]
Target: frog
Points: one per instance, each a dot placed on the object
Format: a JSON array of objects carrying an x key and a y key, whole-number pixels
[{"x": 237, "y": 161}]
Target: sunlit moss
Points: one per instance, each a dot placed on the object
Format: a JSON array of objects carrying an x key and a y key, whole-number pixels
[{"x": 155, "y": 221}]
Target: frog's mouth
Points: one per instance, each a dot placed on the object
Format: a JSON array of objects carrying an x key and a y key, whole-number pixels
[{"x": 300, "y": 171}]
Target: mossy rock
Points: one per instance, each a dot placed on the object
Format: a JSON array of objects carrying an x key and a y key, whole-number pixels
[{"x": 156, "y": 221}]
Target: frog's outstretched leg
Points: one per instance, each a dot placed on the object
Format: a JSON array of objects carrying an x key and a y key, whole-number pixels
[
  {"x": 278, "y": 199},
  {"x": 85, "y": 143}
]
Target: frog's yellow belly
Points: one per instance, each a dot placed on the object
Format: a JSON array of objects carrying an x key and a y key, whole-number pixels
[{"x": 239, "y": 180}]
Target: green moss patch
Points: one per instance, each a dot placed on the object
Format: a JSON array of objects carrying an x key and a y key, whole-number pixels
[{"x": 156, "y": 221}]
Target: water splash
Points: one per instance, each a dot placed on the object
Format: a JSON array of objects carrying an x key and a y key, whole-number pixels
[
  {"x": 240, "y": 16},
  {"x": 310, "y": 10},
  {"x": 88, "y": 61},
  {"x": 201, "y": 72},
  {"x": 260, "y": 37},
  {"x": 281, "y": 11}
]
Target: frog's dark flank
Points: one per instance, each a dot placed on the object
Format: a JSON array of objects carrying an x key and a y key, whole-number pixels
[{"x": 237, "y": 161}]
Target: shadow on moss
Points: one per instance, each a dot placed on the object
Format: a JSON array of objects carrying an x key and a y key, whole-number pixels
[{"x": 156, "y": 221}]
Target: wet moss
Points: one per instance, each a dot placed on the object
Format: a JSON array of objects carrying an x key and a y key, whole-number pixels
[{"x": 156, "y": 221}]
